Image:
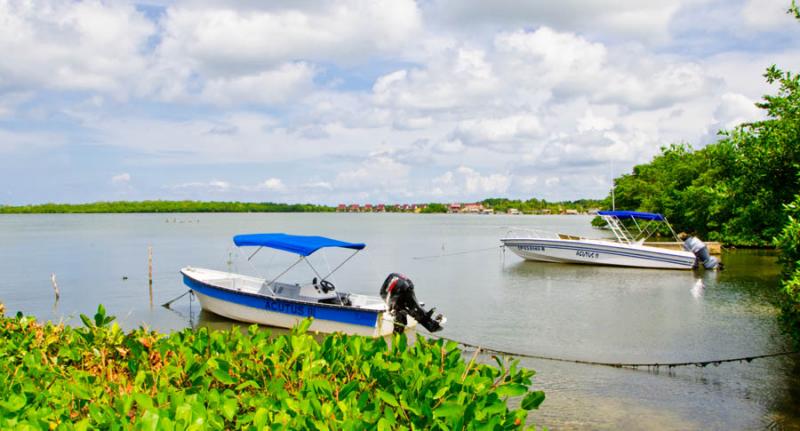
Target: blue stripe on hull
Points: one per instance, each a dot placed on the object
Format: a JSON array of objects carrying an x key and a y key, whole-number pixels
[
  {"x": 610, "y": 250},
  {"x": 332, "y": 313}
]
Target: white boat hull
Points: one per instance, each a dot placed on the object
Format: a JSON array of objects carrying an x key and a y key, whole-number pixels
[
  {"x": 598, "y": 252},
  {"x": 247, "y": 314},
  {"x": 245, "y": 299}
]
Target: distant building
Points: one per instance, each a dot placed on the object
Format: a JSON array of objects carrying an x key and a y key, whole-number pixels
[
  {"x": 341, "y": 208},
  {"x": 474, "y": 208},
  {"x": 354, "y": 208},
  {"x": 571, "y": 212},
  {"x": 381, "y": 208},
  {"x": 368, "y": 208},
  {"x": 487, "y": 211},
  {"x": 513, "y": 211},
  {"x": 454, "y": 208}
]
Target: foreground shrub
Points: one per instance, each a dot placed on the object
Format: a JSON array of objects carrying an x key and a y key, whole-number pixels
[
  {"x": 789, "y": 243},
  {"x": 97, "y": 376}
]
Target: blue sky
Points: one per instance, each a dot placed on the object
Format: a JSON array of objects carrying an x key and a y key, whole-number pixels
[{"x": 385, "y": 101}]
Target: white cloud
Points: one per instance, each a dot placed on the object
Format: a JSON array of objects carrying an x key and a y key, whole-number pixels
[
  {"x": 379, "y": 173},
  {"x": 233, "y": 39},
  {"x": 380, "y": 100},
  {"x": 121, "y": 179},
  {"x": 766, "y": 15},
  {"x": 647, "y": 21},
  {"x": 467, "y": 183},
  {"x": 459, "y": 77},
  {"x": 499, "y": 130},
  {"x": 280, "y": 85},
  {"x": 272, "y": 184},
  {"x": 73, "y": 45},
  {"x": 216, "y": 186}
]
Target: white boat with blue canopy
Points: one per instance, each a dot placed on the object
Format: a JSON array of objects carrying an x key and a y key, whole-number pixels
[
  {"x": 630, "y": 228},
  {"x": 281, "y": 304}
]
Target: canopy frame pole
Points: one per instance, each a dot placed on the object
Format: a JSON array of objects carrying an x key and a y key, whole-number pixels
[
  {"x": 672, "y": 230},
  {"x": 254, "y": 253},
  {"x": 312, "y": 267},
  {"x": 269, "y": 285},
  {"x": 340, "y": 265}
]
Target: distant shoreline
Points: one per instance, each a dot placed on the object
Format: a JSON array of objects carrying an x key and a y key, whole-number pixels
[{"x": 487, "y": 206}]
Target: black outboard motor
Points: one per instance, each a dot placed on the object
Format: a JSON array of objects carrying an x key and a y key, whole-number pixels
[
  {"x": 398, "y": 292},
  {"x": 700, "y": 250}
]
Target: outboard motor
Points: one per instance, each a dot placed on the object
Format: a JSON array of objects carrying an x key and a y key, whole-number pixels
[
  {"x": 700, "y": 250},
  {"x": 398, "y": 292}
]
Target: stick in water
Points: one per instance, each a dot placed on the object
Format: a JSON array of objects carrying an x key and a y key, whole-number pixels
[{"x": 55, "y": 286}]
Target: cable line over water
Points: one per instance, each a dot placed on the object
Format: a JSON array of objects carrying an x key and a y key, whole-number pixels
[{"x": 630, "y": 365}]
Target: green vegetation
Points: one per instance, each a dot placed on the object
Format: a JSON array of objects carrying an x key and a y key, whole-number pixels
[
  {"x": 163, "y": 207},
  {"x": 534, "y": 205},
  {"x": 789, "y": 243},
  {"x": 97, "y": 376},
  {"x": 434, "y": 208}
]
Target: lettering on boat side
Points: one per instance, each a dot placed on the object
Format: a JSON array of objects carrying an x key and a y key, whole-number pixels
[
  {"x": 588, "y": 254},
  {"x": 287, "y": 308},
  {"x": 531, "y": 247}
]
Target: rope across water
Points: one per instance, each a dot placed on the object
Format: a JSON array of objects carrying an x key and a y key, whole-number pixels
[{"x": 631, "y": 365}]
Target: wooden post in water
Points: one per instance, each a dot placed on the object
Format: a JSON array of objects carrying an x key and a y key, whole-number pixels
[
  {"x": 55, "y": 286},
  {"x": 150, "y": 271}
]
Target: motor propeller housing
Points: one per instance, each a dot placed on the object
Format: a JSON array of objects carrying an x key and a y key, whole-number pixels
[{"x": 398, "y": 292}]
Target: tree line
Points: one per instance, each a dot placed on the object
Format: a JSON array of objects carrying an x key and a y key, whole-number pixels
[{"x": 162, "y": 207}]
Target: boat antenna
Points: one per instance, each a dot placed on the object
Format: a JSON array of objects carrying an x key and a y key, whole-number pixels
[{"x": 613, "y": 203}]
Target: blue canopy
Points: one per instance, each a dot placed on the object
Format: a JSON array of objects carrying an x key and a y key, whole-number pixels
[
  {"x": 297, "y": 244},
  {"x": 633, "y": 214}
]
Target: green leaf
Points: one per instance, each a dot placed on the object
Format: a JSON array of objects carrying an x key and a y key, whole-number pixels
[
  {"x": 511, "y": 390},
  {"x": 100, "y": 316},
  {"x": 347, "y": 389},
  {"x": 388, "y": 398},
  {"x": 449, "y": 410},
  {"x": 14, "y": 403},
  {"x": 223, "y": 376},
  {"x": 229, "y": 408},
  {"x": 532, "y": 400},
  {"x": 86, "y": 321}
]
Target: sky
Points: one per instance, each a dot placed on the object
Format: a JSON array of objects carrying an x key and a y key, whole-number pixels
[{"x": 376, "y": 101}]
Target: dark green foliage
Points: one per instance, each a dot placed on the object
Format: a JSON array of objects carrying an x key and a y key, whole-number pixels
[
  {"x": 99, "y": 377},
  {"x": 434, "y": 208},
  {"x": 789, "y": 243},
  {"x": 534, "y": 205},
  {"x": 163, "y": 207}
]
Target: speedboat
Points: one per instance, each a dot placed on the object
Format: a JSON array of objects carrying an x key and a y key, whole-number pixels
[
  {"x": 630, "y": 228},
  {"x": 281, "y": 304}
]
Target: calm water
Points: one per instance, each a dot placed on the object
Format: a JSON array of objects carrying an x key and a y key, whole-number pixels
[{"x": 580, "y": 312}]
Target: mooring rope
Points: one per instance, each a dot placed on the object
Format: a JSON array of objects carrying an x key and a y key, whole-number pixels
[
  {"x": 631, "y": 365},
  {"x": 168, "y": 303},
  {"x": 458, "y": 253}
]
